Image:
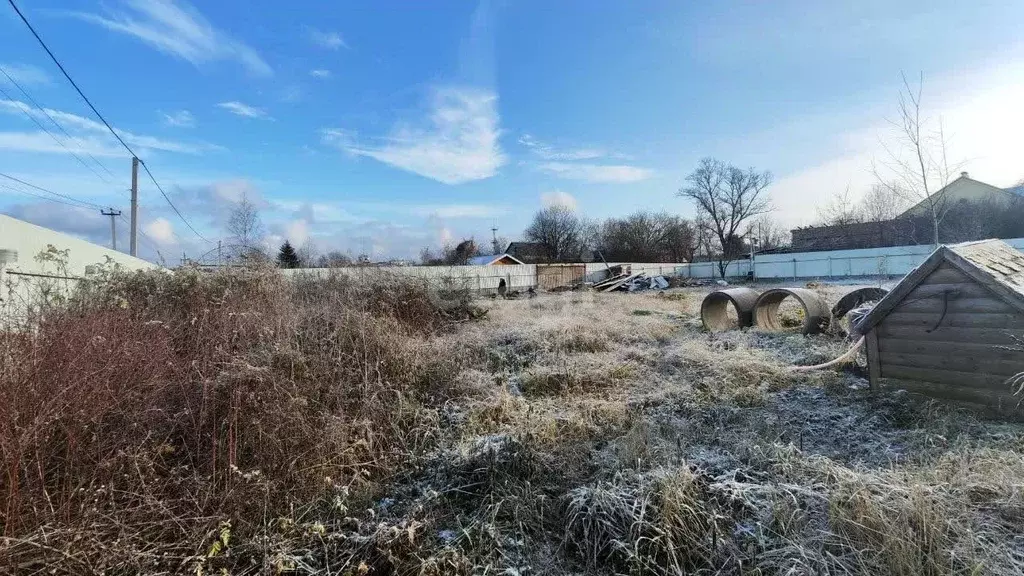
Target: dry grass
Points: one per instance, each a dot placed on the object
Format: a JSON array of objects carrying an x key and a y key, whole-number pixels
[{"x": 235, "y": 423}]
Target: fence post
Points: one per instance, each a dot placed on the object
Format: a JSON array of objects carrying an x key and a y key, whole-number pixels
[
  {"x": 794, "y": 268},
  {"x": 830, "y": 267}
]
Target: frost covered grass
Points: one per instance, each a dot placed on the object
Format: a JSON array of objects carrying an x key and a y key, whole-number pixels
[{"x": 344, "y": 431}]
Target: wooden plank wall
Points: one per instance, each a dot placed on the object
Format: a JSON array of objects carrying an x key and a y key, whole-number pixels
[
  {"x": 554, "y": 275},
  {"x": 961, "y": 349}
]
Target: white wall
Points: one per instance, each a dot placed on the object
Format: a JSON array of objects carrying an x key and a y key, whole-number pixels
[
  {"x": 519, "y": 277},
  {"x": 20, "y": 245},
  {"x": 890, "y": 261},
  {"x": 836, "y": 264}
]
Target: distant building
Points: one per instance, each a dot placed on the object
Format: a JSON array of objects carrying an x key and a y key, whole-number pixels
[
  {"x": 963, "y": 188},
  {"x": 493, "y": 260},
  {"x": 528, "y": 252},
  {"x": 914, "y": 226}
]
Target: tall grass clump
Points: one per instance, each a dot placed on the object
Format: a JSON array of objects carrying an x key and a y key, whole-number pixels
[{"x": 159, "y": 422}]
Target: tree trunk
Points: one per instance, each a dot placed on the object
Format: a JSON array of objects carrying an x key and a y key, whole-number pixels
[{"x": 722, "y": 265}]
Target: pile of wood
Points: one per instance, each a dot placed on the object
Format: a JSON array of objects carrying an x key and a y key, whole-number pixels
[{"x": 627, "y": 282}]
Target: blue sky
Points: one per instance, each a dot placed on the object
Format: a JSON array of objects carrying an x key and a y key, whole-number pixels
[{"x": 384, "y": 127}]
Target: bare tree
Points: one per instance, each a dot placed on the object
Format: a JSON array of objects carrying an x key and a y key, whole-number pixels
[
  {"x": 704, "y": 238},
  {"x": 495, "y": 247},
  {"x": 245, "y": 228},
  {"x": 308, "y": 255},
  {"x": 680, "y": 241},
  {"x": 647, "y": 237},
  {"x": 462, "y": 252},
  {"x": 450, "y": 255},
  {"x": 561, "y": 231},
  {"x": 881, "y": 204},
  {"x": 918, "y": 168},
  {"x": 840, "y": 210},
  {"x": 726, "y": 197},
  {"x": 768, "y": 233},
  {"x": 334, "y": 259}
]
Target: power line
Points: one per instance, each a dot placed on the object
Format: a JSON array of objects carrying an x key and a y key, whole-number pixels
[
  {"x": 55, "y": 139},
  {"x": 68, "y": 76},
  {"x": 55, "y": 123},
  {"x": 100, "y": 116},
  {"x": 47, "y": 198},
  {"x": 175, "y": 208},
  {"x": 41, "y": 189}
]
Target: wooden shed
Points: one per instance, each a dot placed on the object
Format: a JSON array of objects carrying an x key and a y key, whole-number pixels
[{"x": 953, "y": 327}]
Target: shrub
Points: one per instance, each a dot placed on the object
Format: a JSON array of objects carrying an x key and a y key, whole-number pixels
[{"x": 151, "y": 408}]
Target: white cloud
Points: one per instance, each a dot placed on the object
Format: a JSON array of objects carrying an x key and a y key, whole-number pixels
[
  {"x": 596, "y": 172},
  {"x": 90, "y": 137},
  {"x": 24, "y": 74},
  {"x": 341, "y": 139},
  {"x": 297, "y": 232},
  {"x": 178, "y": 29},
  {"x": 160, "y": 230},
  {"x": 240, "y": 109},
  {"x": 566, "y": 163},
  {"x": 558, "y": 198},
  {"x": 320, "y": 73},
  {"x": 180, "y": 119},
  {"x": 234, "y": 190},
  {"x": 292, "y": 94},
  {"x": 457, "y": 143},
  {"x": 42, "y": 142},
  {"x": 458, "y": 211},
  {"x": 547, "y": 152},
  {"x": 328, "y": 40}
]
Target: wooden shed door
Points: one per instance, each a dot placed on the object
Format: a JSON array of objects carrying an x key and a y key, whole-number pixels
[{"x": 554, "y": 275}]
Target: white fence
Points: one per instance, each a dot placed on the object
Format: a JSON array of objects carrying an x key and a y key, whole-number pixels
[
  {"x": 835, "y": 264},
  {"x": 518, "y": 277},
  {"x": 890, "y": 261}
]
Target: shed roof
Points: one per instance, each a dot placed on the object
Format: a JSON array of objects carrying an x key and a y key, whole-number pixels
[
  {"x": 490, "y": 259},
  {"x": 991, "y": 263}
]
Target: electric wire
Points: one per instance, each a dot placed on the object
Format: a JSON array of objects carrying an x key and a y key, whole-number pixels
[
  {"x": 41, "y": 189},
  {"x": 47, "y": 198},
  {"x": 53, "y": 120},
  {"x": 102, "y": 119}
]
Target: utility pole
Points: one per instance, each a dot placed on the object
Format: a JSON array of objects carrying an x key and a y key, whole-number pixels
[
  {"x": 133, "y": 238},
  {"x": 113, "y": 230}
]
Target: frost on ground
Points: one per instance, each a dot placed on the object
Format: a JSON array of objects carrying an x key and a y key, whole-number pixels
[
  {"x": 610, "y": 434},
  {"x": 576, "y": 433}
]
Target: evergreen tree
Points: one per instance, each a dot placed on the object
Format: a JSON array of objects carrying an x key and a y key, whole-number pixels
[{"x": 287, "y": 257}]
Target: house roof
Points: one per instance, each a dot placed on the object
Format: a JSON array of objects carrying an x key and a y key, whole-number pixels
[
  {"x": 488, "y": 260},
  {"x": 519, "y": 245},
  {"x": 991, "y": 263},
  {"x": 962, "y": 179}
]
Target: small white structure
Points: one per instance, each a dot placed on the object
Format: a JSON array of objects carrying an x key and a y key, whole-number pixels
[{"x": 31, "y": 254}]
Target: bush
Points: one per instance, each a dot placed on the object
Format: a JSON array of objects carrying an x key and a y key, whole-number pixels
[{"x": 153, "y": 409}]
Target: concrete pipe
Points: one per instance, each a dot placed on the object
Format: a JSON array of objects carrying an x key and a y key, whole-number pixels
[
  {"x": 816, "y": 312},
  {"x": 857, "y": 298},
  {"x": 714, "y": 312}
]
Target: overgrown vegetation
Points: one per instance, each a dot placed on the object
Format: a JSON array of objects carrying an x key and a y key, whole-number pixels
[{"x": 241, "y": 423}]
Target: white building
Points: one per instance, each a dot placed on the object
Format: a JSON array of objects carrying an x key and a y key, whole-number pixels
[{"x": 31, "y": 255}]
